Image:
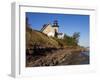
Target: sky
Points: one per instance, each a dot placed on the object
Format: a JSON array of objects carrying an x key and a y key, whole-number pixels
[{"x": 68, "y": 24}]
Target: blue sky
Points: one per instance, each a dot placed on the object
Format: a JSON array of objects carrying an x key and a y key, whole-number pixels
[{"x": 68, "y": 23}]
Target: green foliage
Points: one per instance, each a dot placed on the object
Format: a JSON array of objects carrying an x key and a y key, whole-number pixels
[
  {"x": 69, "y": 41},
  {"x": 76, "y": 36}
]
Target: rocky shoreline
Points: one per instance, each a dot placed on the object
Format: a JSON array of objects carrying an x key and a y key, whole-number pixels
[{"x": 56, "y": 57}]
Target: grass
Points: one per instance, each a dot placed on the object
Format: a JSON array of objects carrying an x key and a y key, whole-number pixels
[{"x": 37, "y": 37}]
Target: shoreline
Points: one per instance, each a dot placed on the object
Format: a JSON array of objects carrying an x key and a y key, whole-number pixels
[{"x": 57, "y": 58}]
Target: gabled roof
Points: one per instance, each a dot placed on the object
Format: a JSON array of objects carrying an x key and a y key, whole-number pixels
[{"x": 44, "y": 26}]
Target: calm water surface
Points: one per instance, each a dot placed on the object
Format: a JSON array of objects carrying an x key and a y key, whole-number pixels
[{"x": 87, "y": 55}]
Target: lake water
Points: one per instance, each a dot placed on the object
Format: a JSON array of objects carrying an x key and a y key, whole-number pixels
[{"x": 86, "y": 55}]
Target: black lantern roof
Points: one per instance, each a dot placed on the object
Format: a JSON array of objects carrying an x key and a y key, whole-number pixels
[{"x": 55, "y": 24}]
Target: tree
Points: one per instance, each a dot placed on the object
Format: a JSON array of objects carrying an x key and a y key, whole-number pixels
[
  {"x": 56, "y": 34},
  {"x": 76, "y": 36},
  {"x": 69, "y": 41}
]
